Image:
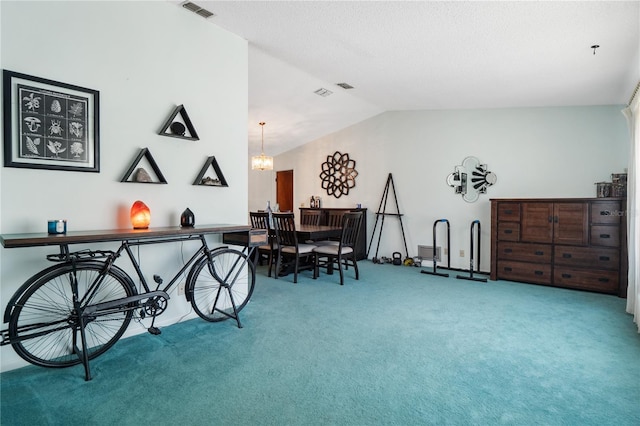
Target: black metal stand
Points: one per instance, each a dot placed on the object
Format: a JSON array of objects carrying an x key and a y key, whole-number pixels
[
  {"x": 435, "y": 264},
  {"x": 382, "y": 213},
  {"x": 471, "y": 252}
]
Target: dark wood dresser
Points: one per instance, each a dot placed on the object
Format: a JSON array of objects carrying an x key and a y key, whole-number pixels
[
  {"x": 361, "y": 246},
  {"x": 575, "y": 243}
]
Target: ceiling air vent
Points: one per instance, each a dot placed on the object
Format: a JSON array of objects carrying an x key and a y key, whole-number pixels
[
  {"x": 197, "y": 9},
  {"x": 323, "y": 92},
  {"x": 345, "y": 85}
]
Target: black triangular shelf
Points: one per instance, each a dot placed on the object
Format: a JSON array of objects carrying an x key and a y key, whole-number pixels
[
  {"x": 201, "y": 180},
  {"x": 168, "y": 126},
  {"x": 144, "y": 152}
]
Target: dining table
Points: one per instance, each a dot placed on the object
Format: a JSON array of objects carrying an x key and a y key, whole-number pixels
[
  {"x": 317, "y": 232},
  {"x": 303, "y": 232}
]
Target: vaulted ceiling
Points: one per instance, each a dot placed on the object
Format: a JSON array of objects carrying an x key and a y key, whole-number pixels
[{"x": 411, "y": 55}]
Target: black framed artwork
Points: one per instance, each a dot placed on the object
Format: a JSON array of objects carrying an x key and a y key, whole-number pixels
[{"x": 49, "y": 124}]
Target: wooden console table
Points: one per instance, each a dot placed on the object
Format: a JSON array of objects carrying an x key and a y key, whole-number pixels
[
  {"x": 57, "y": 318},
  {"x": 78, "y": 237}
]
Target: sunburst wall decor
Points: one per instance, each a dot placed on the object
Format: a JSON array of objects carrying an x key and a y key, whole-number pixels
[
  {"x": 471, "y": 179},
  {"x": 338, "y": 174}
]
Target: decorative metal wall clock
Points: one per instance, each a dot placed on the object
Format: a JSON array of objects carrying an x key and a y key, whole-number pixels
[{"x": 338, "y": 174}]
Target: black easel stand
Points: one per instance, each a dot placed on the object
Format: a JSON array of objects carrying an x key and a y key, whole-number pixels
[
  {"x": 435, "y": 265},
  {"x": 471, "y": 277},
  {"x": 381, "y": 214}
]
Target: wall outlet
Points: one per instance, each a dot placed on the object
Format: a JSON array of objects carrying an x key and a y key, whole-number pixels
[
  {"x": 446, "y": 251},
  {"x": 181, "y": 289},
  {"x": 461, "y": 253}
]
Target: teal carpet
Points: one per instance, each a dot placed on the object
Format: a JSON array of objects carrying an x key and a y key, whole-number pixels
[{"x": 395, "y": 348}]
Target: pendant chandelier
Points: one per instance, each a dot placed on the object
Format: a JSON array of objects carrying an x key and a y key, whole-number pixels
[{"x": 262, "y": 162}]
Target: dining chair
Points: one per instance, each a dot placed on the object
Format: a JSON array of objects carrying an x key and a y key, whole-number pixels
[
  {"x": 343, "y": 254},
  {"x": 300, "y": 255},
  {"x": 335, "y": 220},
  {"x": 335, "y": 217},
  {"x": 310, "y": 217},
  {"x": 260, "y": 220}
]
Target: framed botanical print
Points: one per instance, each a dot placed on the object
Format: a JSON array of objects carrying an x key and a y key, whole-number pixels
[{"x": 50, "y": 125}]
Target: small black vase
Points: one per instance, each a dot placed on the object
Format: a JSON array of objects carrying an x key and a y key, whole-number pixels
[{"x": 187, "y": 219}]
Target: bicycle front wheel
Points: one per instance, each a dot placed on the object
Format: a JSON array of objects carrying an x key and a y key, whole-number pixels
[
  {"x": 216, "y": 286},
  {"x": 44, "y": 326}
]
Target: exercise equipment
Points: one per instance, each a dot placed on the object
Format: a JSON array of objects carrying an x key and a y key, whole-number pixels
[
  {"x": 435, "y": 261},
  {"x": 471, "y": 256}
]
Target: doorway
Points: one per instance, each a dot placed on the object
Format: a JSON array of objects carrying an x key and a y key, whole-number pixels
[{"x": 284, "y": 190}]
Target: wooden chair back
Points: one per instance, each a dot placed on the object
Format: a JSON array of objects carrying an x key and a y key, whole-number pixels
[
  {"x": 310, "y": 217},
  {"x": 335, "y": 218},
  {"x": 350, "y": 229},
  {"x": 285, "y": 229},
  {"x": 259, "y": 220}
]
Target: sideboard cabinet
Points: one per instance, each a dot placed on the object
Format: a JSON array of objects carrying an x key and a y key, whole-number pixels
[
  {"x": 361, "y": 244},
  {"x": 564, "y": 242}
]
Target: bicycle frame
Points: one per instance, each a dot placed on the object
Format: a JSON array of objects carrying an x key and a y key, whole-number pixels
[
  {"x": 126, "y": 246},
  {"x": 71, "y": 258}
]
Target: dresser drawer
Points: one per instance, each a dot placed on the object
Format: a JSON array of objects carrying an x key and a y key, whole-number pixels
[
  {"x": 605, "y": 235},
  {"x": 526, "y": 272},
  {"x": 509, "y": 231},
  {"x": 606, "y": 212},
  {"x": 537, "y": 253},
  {"x": 509, "y": 212},
  {"x": 588, "y": 257},
  {"x": 586, "y": 279}
]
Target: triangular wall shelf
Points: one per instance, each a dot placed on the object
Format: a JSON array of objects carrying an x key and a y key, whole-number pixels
[
  {"x": 144, "y": 152},
  {"x": 176, "y": 129},
  {"x": 219, "y": 180}
]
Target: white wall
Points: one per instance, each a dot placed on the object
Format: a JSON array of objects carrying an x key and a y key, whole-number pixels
[
  {"x": 262, "y": 187},
  {"x": 144, "y": 58},
  {"x": 535, "y": 152}
]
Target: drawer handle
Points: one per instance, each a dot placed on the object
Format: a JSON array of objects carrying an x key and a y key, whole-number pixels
[
  {"x": 566, "y": 255},
  {"x": 508, "y": 250},
  {"x": 538, "y": 272},
  {"x": 603, "y": 280},
  {"x": 508, "y": 231},
  {"x": 507, "y": 269},
  {"x": 539, "y": 253},
  {"x": 605, "y": 258},
  {"x": 605, "y": 236},
  {"x": 508, "y": 212},
  {"x": 566, "y": 275}
]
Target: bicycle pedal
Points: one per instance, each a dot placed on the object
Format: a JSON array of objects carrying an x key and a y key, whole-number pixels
[
  {"x": 157, "y": 279},
  {"x": 154, "y": 330}
]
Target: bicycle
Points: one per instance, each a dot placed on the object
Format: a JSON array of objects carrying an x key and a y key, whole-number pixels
[{"x": 75, "y": 311}]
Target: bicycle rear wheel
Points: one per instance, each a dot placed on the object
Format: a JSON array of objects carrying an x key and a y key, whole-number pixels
[
  {"x": 44, "y": 326},
  {"x": 214, "y": 287}
]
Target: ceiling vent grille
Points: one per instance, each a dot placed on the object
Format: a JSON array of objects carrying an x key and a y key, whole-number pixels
[
  {"x": 345, "y": 85},
  {"x": 197, "y": 9},
  {"x": 323, "y": 92}
]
